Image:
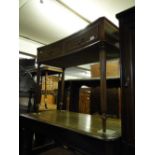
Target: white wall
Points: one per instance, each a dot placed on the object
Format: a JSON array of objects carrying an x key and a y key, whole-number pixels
[{"x": 28, "y": 46}]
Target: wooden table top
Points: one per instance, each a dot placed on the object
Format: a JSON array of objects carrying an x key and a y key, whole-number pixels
[
  {"x": 86, "y": 124},
  {"x": 43, "y": 69}
]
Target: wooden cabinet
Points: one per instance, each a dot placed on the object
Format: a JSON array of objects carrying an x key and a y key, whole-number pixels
[
  {"x": 49, "y": 86},
  {"x": 113, "y": 101},
  {"x": 84, "y": 100},
  {"x": 127, "y": 46},
  {"x": 112, "y": 69},
  {"x": 49, "y": 92},
  {"x": 79, "y": 98}
]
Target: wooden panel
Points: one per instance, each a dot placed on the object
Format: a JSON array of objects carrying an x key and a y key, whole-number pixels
[
  {"x": 50, "y": 102},
  {"x": 81, "y": 123},
  {"x": 84, "y": 100},
  {"x": 79, "y": 132},
  {"x": 72, "y": 88},
  {"x": 49, "y": 96},
  {"x": 51, "y": 83},
  {"x": 53, "y": 51},
  {"x": 112, "y": 70},
  {"x": 95, "y": 71},
  {"x": 127, "y": 43},
  {"x": 113, "y": 102},
  {"x": 45, "y": 69},
  {"x": 81, "y": 39}
]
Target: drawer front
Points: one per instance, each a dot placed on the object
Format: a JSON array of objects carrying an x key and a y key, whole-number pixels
[
  {"x": 66, "y": 46},
  {"x": 50, "y": 52},
  {"x": 81, "y": 39}
]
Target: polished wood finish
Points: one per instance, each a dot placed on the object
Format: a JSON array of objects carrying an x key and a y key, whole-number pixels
[
  {"x": 113, "y": 102},
  {"x": 42, "y": 71},
  {"x": 45, "y": 99},
  {"x": 112, "y": 69},
  {"x": 82, "y": 123},
  {"x": 127, "y": 45},
  {"x": 45, "y": 69},
  {"x": 84, "y": 100},
  {"x": 103, "y": 88},
  {"x": 97, "y": 42},
  {"x": 75, "y": 130},
  {"x": 72, "y": 88},
  {"x": 82, "y": 46},
  {"x": 61, "y": 103}
]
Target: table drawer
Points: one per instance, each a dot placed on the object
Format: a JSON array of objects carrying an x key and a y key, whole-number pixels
[
  {"x": 81, "y": 39},
  {"x": 55, "y": 50}
]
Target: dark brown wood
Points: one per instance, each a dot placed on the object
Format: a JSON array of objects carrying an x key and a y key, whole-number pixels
[
  {"x": 112, "y": 101},
  {"x": 86, "y": 124},
  {"x": 82, "y": 46},
  {"x": 25, "y": 140},
  {"x": 84, "y": 100},
  {"x": 127, "y": 44},
  {"x": 77, "y": 131},
  {"x": 72, "y": 87},
  {"x": 61, "y": 103},
  {"x": 103, "y": 88},
  {"x": 45, "y": 98},
  {"x": 94, "y": 82},
  {"x": 43, "y": 69},
  {"x": 97, "y": 42},
  {"x": 43, "y": 148}
]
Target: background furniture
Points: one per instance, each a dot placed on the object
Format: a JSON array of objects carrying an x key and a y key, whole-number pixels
[
  {"x": 127, "y": 45},
  {"x": 49, "y": 86},
  {"x": 27, "y": 86},
  {"x": 89, "y": 98}
]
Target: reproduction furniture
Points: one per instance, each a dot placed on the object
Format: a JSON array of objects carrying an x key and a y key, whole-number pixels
[
  {"x": 72, "y": 95},
  {"x": 89, "y": 134},
  {"x": 44, "y": 72},
  {"x": 80, "y": 132},
  {"x": 127, "y": 58},
  {"x": 26, "y": 86},
  {"x": 97, "y": 42}
]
